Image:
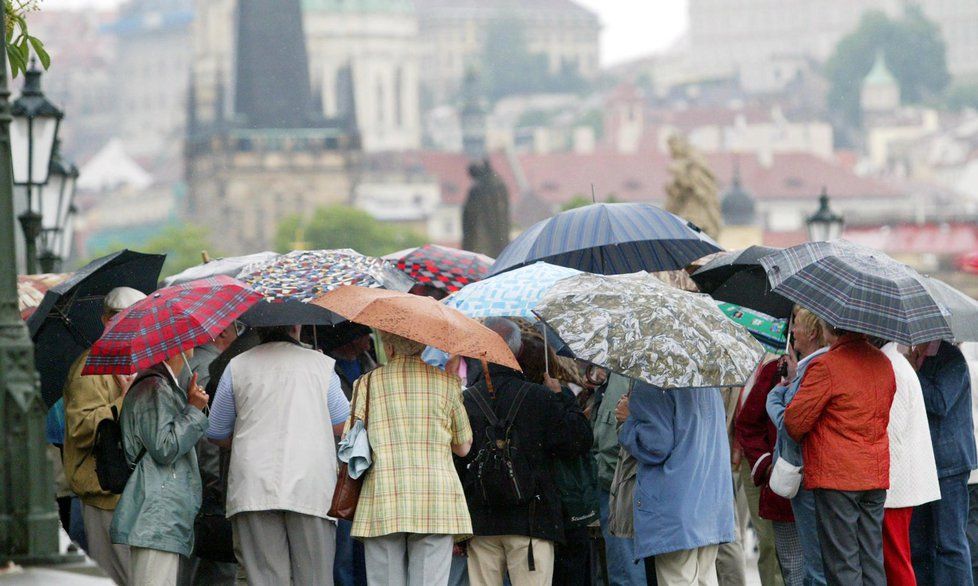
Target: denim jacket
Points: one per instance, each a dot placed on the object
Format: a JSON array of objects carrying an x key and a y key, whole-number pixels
[
  {"x": 777, "y": 402},
  {"x": 946, "y": 385}
]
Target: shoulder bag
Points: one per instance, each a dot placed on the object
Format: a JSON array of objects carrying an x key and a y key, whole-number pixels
[{"x": 346, "y": 495}]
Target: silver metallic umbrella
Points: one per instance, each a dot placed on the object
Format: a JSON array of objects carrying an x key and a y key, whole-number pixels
[{"x": 639, "y": 327}]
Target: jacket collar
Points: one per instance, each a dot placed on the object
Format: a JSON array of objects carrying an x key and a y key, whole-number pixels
[
  {"x": 161, "y": 369},
  {"x": 850, "y": 339}
]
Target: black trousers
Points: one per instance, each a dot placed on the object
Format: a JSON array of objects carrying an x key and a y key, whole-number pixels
[
  {"x": 572, "y": 563},
  {"x": 850, "y": 533}
]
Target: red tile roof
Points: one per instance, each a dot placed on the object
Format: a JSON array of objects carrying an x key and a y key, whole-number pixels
[{"x": 558, "y": 177}]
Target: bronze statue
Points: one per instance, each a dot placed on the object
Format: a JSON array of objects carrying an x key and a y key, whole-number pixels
[
  {"x": 692, "y": 193},
  {"x": 485, "y": 217}
]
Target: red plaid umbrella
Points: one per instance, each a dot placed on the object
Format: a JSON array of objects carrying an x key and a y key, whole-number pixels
[
  {"x": 444, "y": 268},
  {"x": 167, "y": 322},
  {"x": 968, "y": 262}
]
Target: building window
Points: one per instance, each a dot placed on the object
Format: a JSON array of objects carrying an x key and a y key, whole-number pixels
[
  {"x": 380, "y": 102},
  {"x": 399, "y": 97}
]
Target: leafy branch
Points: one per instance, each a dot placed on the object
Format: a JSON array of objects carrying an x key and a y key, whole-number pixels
[{"x": 19, "y": 43}]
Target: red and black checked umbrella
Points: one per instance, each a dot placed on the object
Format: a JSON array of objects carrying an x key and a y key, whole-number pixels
[
  {"x": 169, "y": 321},
  {"x": 444, "y": 268}
]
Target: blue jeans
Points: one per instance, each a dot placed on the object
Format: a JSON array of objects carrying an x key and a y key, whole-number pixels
[
  {"x": 76, "y": 529},
  {"x": 938, "y": 536},
  {"x": 349, "y": 566},
  {"x": 620, "y": 553},
  {"x": 803, "y": 507}
]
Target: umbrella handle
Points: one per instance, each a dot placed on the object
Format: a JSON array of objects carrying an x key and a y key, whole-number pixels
[
  {"x": 485, "y": 369},
  {"x": 546, "y": 353}
]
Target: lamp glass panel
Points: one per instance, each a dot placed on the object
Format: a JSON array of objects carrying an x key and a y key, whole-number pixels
[
  {"x": 51, "y": 194},
  {"x": 45, "y": 131},
  {"x": 65, "y": 238},
  {"x": 19, "y": 146}
]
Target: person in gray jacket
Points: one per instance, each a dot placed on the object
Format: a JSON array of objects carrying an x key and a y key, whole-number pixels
[{"x": 161, "y": 424}]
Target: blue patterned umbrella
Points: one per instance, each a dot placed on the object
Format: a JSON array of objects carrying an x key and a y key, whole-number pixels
[
  {"x": 860, "y": 289},
  {"x": 609, "y": 239},
  {"x": 512, "y": 294}
]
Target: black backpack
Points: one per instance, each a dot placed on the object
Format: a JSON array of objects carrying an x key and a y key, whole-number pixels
[
  {"x": 111, "y": 467},
  {"x": 500, "y": 474}
]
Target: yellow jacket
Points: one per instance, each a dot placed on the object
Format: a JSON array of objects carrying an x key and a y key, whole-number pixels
[{"x": 88, "y": 400}]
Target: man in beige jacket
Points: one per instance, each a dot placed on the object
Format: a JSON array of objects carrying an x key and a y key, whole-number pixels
[{"x": 89, "y": 400}]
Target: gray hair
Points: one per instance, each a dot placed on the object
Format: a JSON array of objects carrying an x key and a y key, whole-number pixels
[{"x": 508, "y": 331}]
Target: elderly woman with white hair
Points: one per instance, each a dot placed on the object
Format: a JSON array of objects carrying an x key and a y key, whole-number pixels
[{"x": 411, "y": 503}]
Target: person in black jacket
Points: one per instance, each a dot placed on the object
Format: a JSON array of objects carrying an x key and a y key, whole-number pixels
[{"x": 520, "y": 538}]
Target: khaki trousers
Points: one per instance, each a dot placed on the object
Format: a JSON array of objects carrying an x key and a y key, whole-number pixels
[
  {"x": 767, "y": 556},
  {"x": 152, "y": 567},
  {"x": 688, "y": 567},
  {"x": 112, "y": 558},
  {"x": 490, "y": 557}
]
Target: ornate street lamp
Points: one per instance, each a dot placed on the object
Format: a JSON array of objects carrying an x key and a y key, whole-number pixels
[
  {"x": 32, "y": 135},
  {"x": 28, "y": 518},
  {"x": 824, "y": 224},
  {"x": 54, "y": 201}
]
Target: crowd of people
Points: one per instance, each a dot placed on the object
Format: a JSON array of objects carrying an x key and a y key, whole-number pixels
[{"x": 851, "y": 457}]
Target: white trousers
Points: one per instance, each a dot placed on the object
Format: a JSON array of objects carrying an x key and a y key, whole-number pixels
[
  {"x": 408, "y": 559},
  {"x": 112, "y": 558},
  {"x": 152, "y": 567},
  {"x": 688, "y": 567}
]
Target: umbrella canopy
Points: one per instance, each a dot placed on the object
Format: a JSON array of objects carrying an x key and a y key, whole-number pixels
[
  {"x": 771, "y": 332},
  {"x": 69, "y": 318},
  {"x": 609, "y": 238},
  {"x": 421, "y": 319},
  {"x": 860, "y": 289},
  {"x": 738, "y": 277},
  {"x": 230, "y": 266},
  {"x": 441, "y": 267},
  {"x": 511, "y": 294},
  {"x": 168, "y": 322},
  {"x": 639, "y": 327},
  {"x": 290, "y": 281},
  {"x": 963, "y": 317}
]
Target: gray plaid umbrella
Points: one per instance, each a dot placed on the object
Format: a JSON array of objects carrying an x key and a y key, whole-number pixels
[
  {"x": 963, "y": 309},
  {"x": 858, "y": 289}
]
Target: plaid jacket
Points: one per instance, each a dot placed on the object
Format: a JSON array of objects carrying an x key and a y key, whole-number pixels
[{"x": 415, "y": 417}]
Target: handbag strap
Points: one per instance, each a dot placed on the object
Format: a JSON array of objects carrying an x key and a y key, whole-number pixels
[{"x": 353, "y": 402}]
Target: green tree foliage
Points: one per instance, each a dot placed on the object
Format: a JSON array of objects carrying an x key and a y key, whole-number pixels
[
  {"x": 579, "y": 200},
  {"x": 509, "y": 68},
  {"x": 915, "y": 54},
  {"x": 963, "y": 95},
  {"x": 18, "y": 43},
  {"x": 181, "y": 243},
  {"x": 344, "y": 227}
]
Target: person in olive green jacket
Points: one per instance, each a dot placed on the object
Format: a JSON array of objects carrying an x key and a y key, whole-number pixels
[
  {"x": 620, "y": 551},
  {"x": 88, "y": 400},
  {"x": 161, "y": 425}
]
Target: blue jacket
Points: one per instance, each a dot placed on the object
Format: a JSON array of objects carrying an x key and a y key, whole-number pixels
[
  {"x": 946, "y": 384},
  {"x": 684, "y": 497},
  {"x": 777, "y": 402}
]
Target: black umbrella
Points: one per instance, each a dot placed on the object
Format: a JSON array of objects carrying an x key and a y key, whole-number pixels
[
  {"x": 739, "y": 278},
  {"x": 69, "y": 320},
  {"x": 289, "y": 313}
]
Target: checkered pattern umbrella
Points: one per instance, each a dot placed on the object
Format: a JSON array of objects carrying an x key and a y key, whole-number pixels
[
  {"x": 858, "y": 289},
  {"x": 303, "y": 275},
  {"x": 444, "y": 268},
  {"x": 167, "y": 322},
  {"x": 511, "y": 294}
]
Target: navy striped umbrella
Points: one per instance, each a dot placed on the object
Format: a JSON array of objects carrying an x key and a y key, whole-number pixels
[
  {"x": 609, "y": 239},
  {"x": 859, "y": 289}
]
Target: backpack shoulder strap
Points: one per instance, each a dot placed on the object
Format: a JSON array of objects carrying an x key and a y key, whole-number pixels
[
  {"x": 480, "y": 401},
  {"x": 517, "y": 403}
]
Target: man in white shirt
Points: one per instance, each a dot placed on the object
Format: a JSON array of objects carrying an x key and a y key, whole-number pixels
[{"x": 274, "y": 405}]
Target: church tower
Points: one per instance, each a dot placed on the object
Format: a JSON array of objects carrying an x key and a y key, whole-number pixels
[{"x": 266, "y": 152}]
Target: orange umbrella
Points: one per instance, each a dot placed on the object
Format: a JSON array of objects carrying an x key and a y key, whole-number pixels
[{"x": 421, "y": 319}]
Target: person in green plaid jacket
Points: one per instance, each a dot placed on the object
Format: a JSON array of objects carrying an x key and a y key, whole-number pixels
[{"x": 411, "y": 505}]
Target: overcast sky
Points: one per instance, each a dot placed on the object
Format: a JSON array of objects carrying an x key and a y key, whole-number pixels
[{"x": 630, "y": 28}]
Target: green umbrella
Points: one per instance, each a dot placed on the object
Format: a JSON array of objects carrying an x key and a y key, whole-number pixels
[
  {"x": 771, "y": 332},
  {"x": 639, "y": 327}
]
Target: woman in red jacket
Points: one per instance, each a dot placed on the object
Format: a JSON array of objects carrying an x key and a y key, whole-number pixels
[{"x": 756, "y": 434}]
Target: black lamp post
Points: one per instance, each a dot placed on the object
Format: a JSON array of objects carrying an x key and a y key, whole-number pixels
[
  {"x": 55, "y": 205},
  {"x": 33, "y": 132},
  {"x": 824, "y": 224}
]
